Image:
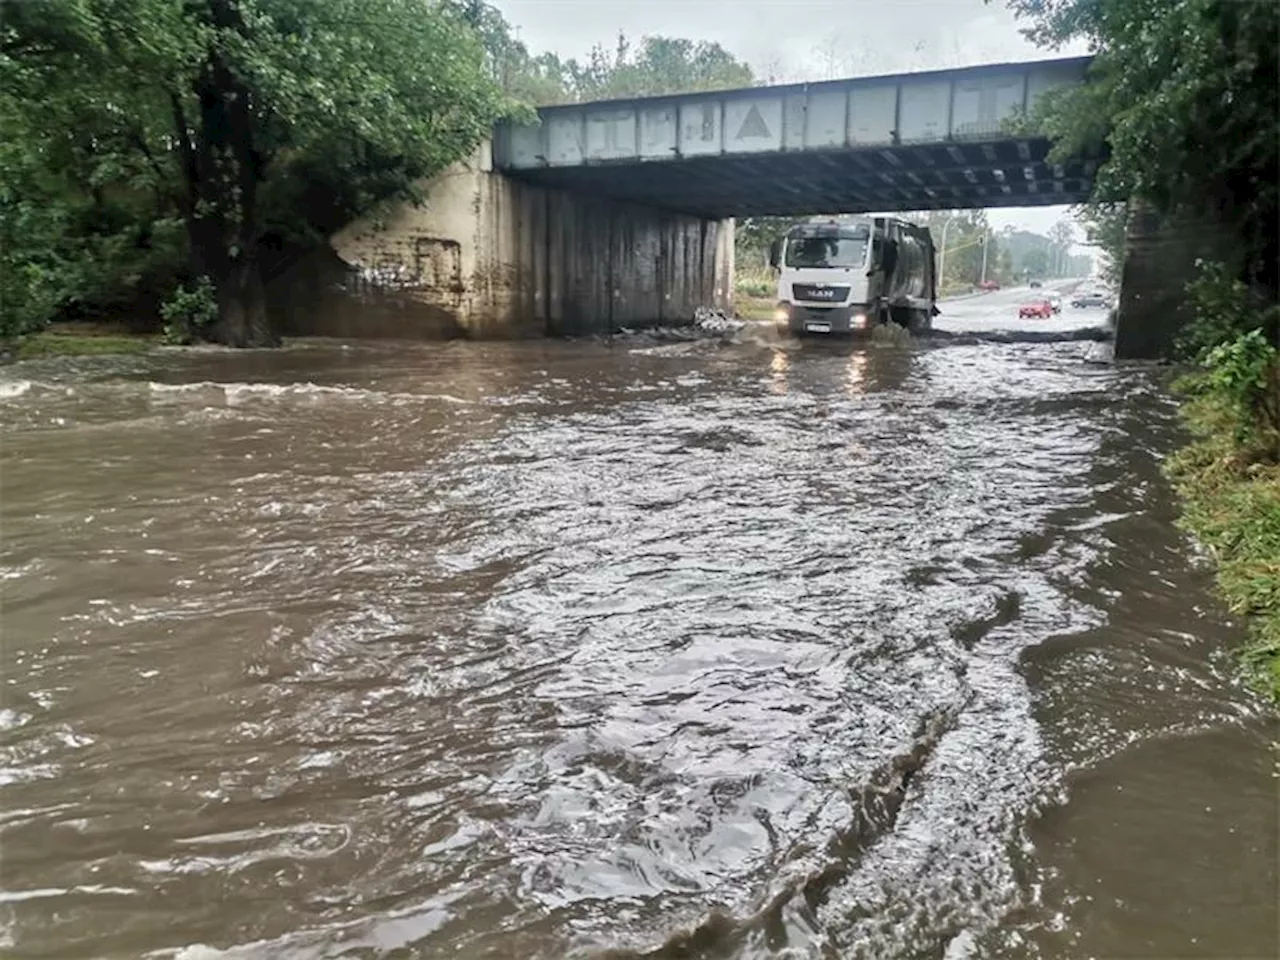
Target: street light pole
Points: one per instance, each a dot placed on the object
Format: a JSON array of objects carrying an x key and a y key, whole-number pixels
[
  {"x": 942, "y": 254},
  {"x": 986, "y": 238}
]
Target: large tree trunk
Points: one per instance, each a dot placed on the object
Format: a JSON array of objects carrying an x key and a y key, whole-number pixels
[
  {"x": 223, "y": 169},
  {"x": 242, "y": 309}
]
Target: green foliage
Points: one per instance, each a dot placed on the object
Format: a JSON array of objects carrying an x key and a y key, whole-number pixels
[
  {"x": 1105, "y": 225},
  {"x": 1229, "y": 477},
  {"x": 189, "y": 313},
  {"x": 1232, "y": 505},
  {"x": 1036, "y": 262},
  {"x": 659, "y": 65},
  {"x": 1233, "y": 337},
  {"x": 1224, "y": 310},
  {"x": 52, "y": 344},
  {"x": 1184, "y": 92},
  {"x": 755, "y": 285},
  {"x": 962, "y": 263},
  {"x": 1245, "y": 372},
  {"x": 752, "y": 237},
  {"x": 256, "y": 125},
  {"x": 149, "y": 142}
]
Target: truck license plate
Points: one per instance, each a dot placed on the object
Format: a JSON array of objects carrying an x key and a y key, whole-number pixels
[{"x": 814, "y": 327}]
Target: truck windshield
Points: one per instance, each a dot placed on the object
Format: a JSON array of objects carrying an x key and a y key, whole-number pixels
[{"x": 810, "y": 252}]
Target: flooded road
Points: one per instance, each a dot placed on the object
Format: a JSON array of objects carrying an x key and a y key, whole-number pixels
[{"x": 619, "y": 650}]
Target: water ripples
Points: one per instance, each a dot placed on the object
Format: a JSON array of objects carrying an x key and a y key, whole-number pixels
[{"x": 552, "y": 650}]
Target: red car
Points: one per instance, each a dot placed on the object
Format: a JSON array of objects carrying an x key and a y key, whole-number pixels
[
  {"x": 988, "y": 285},
  {"x": 1041, "y": 309}
]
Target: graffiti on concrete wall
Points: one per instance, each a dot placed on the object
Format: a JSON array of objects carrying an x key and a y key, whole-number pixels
[{"x": 428, "y": 266}]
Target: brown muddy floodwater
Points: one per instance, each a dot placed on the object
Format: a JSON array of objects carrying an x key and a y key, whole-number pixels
[{"x": 586, "y": 650}]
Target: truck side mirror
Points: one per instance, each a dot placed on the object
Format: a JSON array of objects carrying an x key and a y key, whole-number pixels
[{"x": 775, "y": 253}]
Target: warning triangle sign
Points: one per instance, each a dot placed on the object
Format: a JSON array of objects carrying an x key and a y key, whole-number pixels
[{"x": 753, "y": 126}]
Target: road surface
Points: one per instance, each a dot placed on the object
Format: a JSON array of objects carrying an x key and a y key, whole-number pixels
[
  {"x": 772, "y": 648},
  {"x": 998, "y": 311}
]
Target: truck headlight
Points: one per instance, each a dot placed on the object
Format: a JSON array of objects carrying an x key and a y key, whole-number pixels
[
  {"x": 859, "y": 319},
  {"x": 782, "y": 314}
]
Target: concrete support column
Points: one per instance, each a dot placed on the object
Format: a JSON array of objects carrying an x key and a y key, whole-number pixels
[
  {"x": 1160, "y": 257},
  {"x": 490, "y": 256}
]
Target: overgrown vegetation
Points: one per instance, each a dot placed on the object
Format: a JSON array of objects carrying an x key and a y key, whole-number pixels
[
  {"x": 188, "y": 313},
  {"x": 1229, "y": 476},
  {"x": 1232, "y": 505},
  {"x": 1185, "y": 95},
  {"x": 47, "y": 344}
]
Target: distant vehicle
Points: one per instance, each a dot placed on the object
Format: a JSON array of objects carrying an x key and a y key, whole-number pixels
[
  {"x": 1092, "y": 298},
  {"x": 848, "y": 277},
  {"x": 1038, "y": 309},
  {"x": 1036, "y": 284},
  {"x": 989, "y": 285},
  {"x": 1055, "y": 301}
]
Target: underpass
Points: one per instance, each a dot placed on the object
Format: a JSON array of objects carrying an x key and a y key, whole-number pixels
[{"x": 619, "y": 214}]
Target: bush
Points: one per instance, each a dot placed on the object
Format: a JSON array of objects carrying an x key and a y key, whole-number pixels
[
  {"x": 1245, "y": 371},
  {"x": 1233, "y": 339},
  {"x": 1233, "y": 508},
  {"x": 754, "y": 283},
  {"x": 1223, "y": 310},
  {"x": 189, "y": 312}
]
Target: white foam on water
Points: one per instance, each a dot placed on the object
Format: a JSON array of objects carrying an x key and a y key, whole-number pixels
[{"x": 238, "y": 393}]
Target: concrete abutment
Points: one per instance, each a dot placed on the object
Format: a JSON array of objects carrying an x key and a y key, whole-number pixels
[
  {"x": 1161, "y": 252},
  {"x": 486, "y": 255}
]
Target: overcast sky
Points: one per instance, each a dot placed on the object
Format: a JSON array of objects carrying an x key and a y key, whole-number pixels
[{"x": 802, "y": 39}]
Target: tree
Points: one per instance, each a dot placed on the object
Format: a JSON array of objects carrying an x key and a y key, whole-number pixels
[
  {"x": 537, "y": 80},
  {"x": 1061, "y": 237},
  {"x": 661, "y": 65},
  {"x": 962, "y": 263},
  {"x": 224, "y": 107},
  {"x": 1004, "y": 268},
  {"x": 753, "y": 235},
  {"x": 1036, "y": 262},
  {"x": 1105, "y": 226},
  {"x": 1185, "y": 93}
]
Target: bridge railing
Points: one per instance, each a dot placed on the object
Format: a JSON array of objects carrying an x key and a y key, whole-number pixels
[{"x": 971, "y": 104}]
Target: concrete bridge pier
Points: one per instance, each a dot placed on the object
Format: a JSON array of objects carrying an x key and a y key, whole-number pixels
[
  {"x": 1160, "y": 257},
  {"x": 489, "y": 256}
]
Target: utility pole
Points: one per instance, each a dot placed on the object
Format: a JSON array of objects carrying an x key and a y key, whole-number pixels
[
  {"x": 942, "y": 254},
  {"x": 986, "y": 236}
]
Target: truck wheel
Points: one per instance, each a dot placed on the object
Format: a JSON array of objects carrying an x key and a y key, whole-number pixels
[{"x": 921, "y": 321}]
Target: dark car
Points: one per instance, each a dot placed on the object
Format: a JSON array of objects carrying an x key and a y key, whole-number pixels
[{"x": 1036, "y": 284}]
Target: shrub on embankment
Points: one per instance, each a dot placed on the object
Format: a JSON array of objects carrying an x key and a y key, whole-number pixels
[{"x": 1229, "y": 475}]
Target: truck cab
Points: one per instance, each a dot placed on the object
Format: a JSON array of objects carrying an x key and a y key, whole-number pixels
[{"x": 847, "y": 277}]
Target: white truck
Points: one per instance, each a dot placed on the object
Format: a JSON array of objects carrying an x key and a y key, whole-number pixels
[{"x": 846, "y": 277}]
